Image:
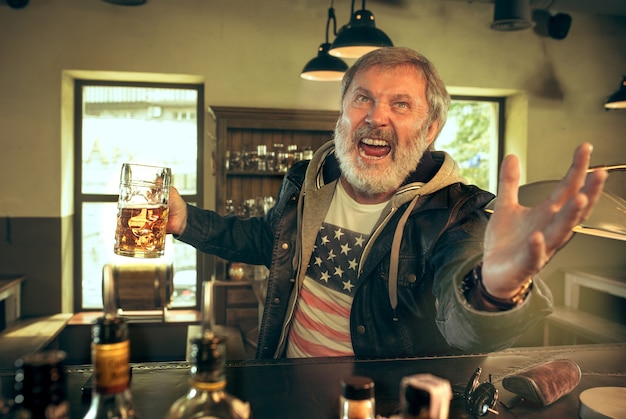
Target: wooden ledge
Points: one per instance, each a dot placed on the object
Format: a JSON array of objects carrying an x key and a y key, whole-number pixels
[
  {"x": 172, "y": 316},
  {"x": 29, "y": 335}
]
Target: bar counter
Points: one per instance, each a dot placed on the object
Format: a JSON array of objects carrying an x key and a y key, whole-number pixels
[{"x": 310, "y": 388}]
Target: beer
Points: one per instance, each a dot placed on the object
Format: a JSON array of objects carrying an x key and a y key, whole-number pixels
[{"x": 140, "y": 231}]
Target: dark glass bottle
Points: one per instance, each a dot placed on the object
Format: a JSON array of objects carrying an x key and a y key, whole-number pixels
[
  {"x": 40, "y": 386},
  {"x": 357, "y": 398},
  {"x": 207, "y": 396},
  {"x": 110, "y": 354}
]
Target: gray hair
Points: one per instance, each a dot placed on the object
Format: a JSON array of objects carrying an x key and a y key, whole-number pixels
[{"x": 437, "y": 95}]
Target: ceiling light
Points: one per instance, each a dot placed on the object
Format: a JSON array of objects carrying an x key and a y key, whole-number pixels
[
  {"x": 325, "y": 67},
  {"x": 511, "y": 15},
  {"x": 618, "y": 99},
  {"x": 359, "y": 36},
  {"x": 126, "y": 2}
]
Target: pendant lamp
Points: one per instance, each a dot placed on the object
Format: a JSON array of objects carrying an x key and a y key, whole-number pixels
[
  {"x": 359, "y": 36},
  {"x": 325, "y": 67},
  {"x": 618, "y": 99},
  {"x": 511, "y": 15}
]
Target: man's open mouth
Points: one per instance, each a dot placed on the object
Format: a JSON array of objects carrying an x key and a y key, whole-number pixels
[{"x": 370, "y": 148}]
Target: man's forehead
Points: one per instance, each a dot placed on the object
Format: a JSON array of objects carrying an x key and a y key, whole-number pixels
[{"x": 402, "y": 80}]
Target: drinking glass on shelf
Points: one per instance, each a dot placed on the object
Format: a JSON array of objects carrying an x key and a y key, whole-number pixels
[
  {"x": 250, "y": 160},
  {"x": 236, "y": 161},
  {"x": 229, "y": 208},
  {"x": 270, "y": 161},
  {"x": 261, "y": 153},
  {"x": 268, "y": 202}
]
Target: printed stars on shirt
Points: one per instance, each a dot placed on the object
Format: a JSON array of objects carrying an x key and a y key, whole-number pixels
[
  {"x": 347, "y": 285},
  {"x": 335, "y": 259}
]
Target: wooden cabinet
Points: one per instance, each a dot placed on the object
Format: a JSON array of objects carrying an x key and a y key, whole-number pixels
[{"x": 243, "y": 130}]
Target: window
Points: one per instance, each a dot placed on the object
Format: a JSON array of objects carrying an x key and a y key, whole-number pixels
[
  {"x": 148, "y": 123},
  {"x": 473, "y": 136}
]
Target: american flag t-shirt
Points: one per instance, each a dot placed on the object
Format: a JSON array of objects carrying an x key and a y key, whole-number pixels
[{"x": 321, "y": 324}]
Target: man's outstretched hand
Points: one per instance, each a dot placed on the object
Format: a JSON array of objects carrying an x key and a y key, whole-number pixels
[{"x": 519, "y": 241}]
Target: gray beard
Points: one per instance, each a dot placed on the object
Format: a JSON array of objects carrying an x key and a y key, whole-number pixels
[{"x": 360, "y": 175}]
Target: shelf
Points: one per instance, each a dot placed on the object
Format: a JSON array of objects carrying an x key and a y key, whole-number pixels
[{"x": 248, "y": 173}]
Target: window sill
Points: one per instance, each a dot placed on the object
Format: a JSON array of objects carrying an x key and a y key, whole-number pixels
[{"x": 172, "y": 316}]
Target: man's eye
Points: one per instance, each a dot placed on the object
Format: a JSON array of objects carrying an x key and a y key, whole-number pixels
[
  {"x": 362, "y": 98},
  {"x": 402, "y": 105}
]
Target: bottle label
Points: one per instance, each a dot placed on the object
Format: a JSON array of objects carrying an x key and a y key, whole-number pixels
[{"x": 110, "y": 361}]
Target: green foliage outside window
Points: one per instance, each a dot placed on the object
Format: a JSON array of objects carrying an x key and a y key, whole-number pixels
[{"x": 470, "y": 136}]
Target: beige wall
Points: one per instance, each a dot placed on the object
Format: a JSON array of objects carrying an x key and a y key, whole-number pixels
[{"x": 250, "y": 53}]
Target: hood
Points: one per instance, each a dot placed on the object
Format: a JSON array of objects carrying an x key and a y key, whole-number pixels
[{"x": 435, "y": 171}]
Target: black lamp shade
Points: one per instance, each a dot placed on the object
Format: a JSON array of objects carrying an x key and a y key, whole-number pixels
[
  {"x": 618, "y": 99},
  {"x": 324, "y": 67},
  {"x": 511, "y": 15},
  {"x": 359, "y": 37}
]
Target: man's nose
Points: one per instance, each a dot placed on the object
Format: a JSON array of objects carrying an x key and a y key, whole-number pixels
[{"x": 378, "y": 115}]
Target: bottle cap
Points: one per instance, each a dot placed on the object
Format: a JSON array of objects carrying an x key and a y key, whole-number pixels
[{"x": 357, "y": 387}]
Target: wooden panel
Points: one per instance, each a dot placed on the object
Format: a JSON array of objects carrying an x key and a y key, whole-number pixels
[{"x": 241, "y": 296}]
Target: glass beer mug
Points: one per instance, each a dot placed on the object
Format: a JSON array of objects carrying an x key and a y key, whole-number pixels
[{"x": 142, "y": 210}]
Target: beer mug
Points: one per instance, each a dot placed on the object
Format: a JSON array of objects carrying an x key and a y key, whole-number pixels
[{"x": 142, "y": 211}]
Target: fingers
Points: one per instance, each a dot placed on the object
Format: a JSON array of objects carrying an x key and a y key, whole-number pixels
[
  {"x": 575, "y": 197},
  {"x": 593, "y": 189},
  {"x": 560, "y": 230},
  {"x": 575, "y": 177},
  {"x": 509, "y": 182},
  {"x": 177, "y": 219}
]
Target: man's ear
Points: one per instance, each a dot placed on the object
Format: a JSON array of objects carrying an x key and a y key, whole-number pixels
[{"x": 433, "y": 130}]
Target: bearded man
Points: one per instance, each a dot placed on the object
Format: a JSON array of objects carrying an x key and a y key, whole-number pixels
[{"x": 378, "y": 247}]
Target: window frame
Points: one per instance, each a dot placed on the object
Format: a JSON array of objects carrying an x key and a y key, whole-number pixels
[
  {"x": 80, "y": 198},
  {"x": 501, "y": 120}
]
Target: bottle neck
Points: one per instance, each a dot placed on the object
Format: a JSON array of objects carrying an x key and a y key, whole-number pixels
[{"x": 208, "y": 386}]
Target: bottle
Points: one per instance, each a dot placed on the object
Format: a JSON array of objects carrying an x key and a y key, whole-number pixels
[
  {"x": 207, "y": 397},
  {"x": 110, "y": 354},
  {"x": 357, "y": 398},
  {"x": 40, "y": 385},
  {"x": 424, "y": 396}
]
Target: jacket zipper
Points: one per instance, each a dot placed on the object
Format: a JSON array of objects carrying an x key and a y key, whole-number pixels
[{"x": 373, "y": 237}]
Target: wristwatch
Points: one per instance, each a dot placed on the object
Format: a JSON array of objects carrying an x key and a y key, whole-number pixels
[{"x": 478, "y": 297}]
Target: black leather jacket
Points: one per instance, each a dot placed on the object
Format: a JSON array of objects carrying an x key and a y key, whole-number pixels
[{"x": 416, "y": 309}]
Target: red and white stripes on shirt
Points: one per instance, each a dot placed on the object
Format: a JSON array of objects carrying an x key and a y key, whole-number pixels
[{"x": 321, "y": 323}]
